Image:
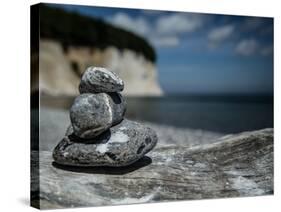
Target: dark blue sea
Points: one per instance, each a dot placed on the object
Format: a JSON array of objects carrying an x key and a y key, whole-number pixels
[{"x": 226, "y": 114}]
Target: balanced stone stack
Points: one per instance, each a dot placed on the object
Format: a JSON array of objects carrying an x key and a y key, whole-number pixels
[{"x": 99, "y": 135}]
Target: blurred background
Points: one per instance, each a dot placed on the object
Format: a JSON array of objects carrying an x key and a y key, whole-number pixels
[{"x": 186, "y": 70}]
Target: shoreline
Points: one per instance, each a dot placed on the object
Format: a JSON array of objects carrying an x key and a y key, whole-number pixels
[{"x": 54, "y": 122}]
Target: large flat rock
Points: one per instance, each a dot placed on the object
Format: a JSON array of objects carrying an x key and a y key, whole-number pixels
[{"x": 236, "y": 166}]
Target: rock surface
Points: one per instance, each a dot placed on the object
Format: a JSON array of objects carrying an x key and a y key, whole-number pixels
[
  {"x": 92, "y": 114},
  {"x": 238, "y": 166},
  {"x": 121, "y": 145},
  {"x": 99, "y": 80}
]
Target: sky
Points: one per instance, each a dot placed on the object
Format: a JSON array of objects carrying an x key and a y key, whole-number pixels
[{"x": 201, "y": 53}]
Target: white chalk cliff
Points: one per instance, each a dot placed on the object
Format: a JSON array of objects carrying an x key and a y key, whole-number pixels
[{"x": 60, "y": 70}]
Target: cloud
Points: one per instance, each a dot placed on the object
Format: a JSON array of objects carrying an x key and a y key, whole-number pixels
[
  {"x": 163, "y": 31},
  {"x": 142, "y": 27},
  {"x": 137, "y": 25},
  {"x": 267, "y": 50},
  {"x": 167, "y": 41},
  {"x": 178, "y": 23},
  {"x": 247, "y": 47},
  {"x": 219, "y": 34},
  {"x": 152, "y": 12}
]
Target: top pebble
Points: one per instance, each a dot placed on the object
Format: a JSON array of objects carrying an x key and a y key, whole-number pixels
[{"x": 99, "y": 80}]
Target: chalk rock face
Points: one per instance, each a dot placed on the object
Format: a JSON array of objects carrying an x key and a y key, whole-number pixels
[
  {"x": 56, "y": 77},
  {"x": 60, "y": 70},
  {"x": 98, "y": 80},
  {"x": 92, "y": 114},
  {"x": 121, "y": 145}
]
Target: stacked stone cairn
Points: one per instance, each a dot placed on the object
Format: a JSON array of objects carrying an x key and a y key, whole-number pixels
[{"x": 99, "y": 135}]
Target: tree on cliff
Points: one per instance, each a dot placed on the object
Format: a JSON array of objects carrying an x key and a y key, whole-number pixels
[{"x": 71, "y": 28}]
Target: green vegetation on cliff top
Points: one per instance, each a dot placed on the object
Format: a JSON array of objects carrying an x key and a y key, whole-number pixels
[{"x": 71, "y": 28}]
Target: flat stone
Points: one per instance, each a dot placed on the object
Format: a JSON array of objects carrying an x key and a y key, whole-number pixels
[
  {"x": 122, "y": 145},
  {"x": 92, "y": 114},
  {"x": 98, "y": 80}
]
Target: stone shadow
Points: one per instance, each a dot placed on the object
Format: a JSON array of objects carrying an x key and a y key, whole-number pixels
[
  {"x": 100, "y": 139},
  {"x": 142, "y": 162},
  {"x": 115, "y": 97}
]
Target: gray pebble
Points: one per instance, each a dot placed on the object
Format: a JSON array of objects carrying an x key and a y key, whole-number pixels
[
  {"x": 121, "y": 145},
  {"x": 92, "y": 114},
  {"x": 98, "y": 80}
]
